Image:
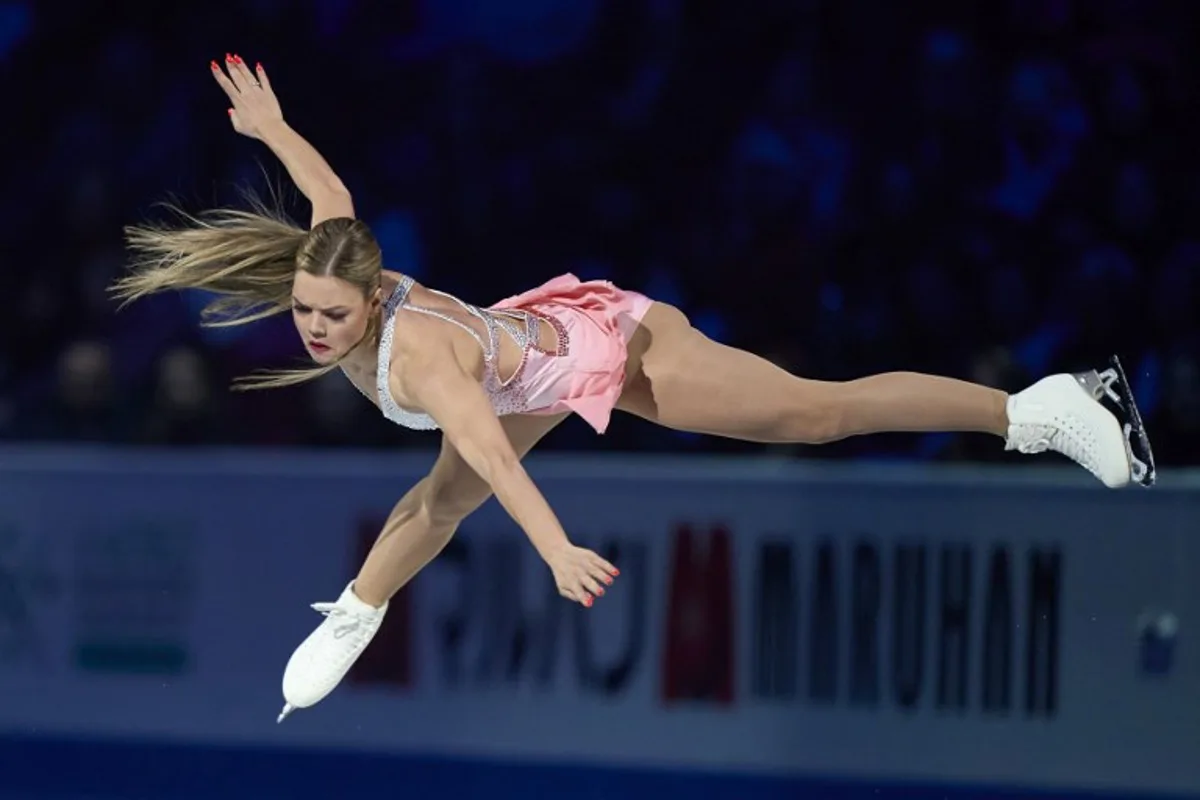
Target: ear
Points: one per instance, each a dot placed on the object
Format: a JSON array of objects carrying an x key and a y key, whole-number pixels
[{"x": 377, "y": 296}]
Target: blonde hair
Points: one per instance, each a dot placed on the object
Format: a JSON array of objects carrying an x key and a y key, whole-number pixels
[{"x": 248, "y": 259}]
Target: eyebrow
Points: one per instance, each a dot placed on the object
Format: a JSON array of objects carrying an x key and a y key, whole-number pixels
[{"x": 332, "y": 310}]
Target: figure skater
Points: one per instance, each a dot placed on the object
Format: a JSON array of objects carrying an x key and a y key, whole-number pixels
[{"x": 495, "y": 380}]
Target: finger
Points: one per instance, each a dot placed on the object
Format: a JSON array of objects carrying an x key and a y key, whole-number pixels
[
  {"x": 236, "y": 75},
  {"x": 601, "y": 574},
  {"x": 262, "y": 76},
  {"x": 608, "y": 569},
  {"x": 576, "y": 596},
  {"x": 244, "y": 70},
  {"x": 592, "y": 585},
  {"x": 223, "y": 81}
]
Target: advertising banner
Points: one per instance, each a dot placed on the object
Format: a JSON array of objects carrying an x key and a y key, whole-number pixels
[{"x": 891, "y": 625}]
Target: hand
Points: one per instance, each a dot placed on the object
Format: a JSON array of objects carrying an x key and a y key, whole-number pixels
[
  {"x": 255, "y": 107},
  {"x": 579, "y": 573}
]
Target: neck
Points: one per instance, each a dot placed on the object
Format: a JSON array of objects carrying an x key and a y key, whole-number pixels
[{"x": 365, "y": 355}]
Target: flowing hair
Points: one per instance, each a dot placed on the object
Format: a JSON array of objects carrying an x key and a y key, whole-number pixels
[{"x": 248, "y": 259}]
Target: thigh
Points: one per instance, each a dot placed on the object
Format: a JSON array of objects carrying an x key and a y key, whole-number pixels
[{"x": 681, "y": 379}]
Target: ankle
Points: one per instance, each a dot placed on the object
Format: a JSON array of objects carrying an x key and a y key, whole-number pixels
[
  {"x": 1000, "y": 414},
  {"x": 368, "y": 595}
]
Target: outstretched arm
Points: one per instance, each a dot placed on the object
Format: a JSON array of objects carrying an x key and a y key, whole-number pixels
[
  {"x": 436, "y": 381},
  {"x": 425, "y": 519},
  {"x": 256, "y": 113}
]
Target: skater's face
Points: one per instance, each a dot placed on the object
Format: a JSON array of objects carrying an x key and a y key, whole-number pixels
[{"x": 331, "y": 315}]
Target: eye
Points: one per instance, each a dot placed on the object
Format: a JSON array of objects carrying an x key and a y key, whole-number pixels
[
  {"x": 299, "y": 309},
  {"x": 338, "y": 317}
]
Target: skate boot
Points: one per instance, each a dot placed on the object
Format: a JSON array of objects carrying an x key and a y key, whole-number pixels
[
  {"x": 324, "y": 658},
  {"x": 1067, "y": 414}
]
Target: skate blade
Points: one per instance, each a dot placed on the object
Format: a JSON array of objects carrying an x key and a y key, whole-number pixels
[{"x": 1113, "y": 385}]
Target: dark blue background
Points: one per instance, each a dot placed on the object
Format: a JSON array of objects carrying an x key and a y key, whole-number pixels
[
  {"x": 147, "y": 771},
  {"x": 991, "y": 190}
]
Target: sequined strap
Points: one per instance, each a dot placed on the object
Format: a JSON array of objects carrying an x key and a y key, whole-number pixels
[
  {"x": 521, "y": 334},
  {"x": 383, "y": 366},
  {"x": 521, "y": 325},
  {"x": 488, "y": 346}
]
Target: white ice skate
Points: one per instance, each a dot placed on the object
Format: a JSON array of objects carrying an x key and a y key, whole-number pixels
[
  {"x": 324, "y": 658},
  {"x": 1066, "y": 413}
]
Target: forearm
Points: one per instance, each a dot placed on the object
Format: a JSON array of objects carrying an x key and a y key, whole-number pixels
[
  {"x": 445, "y": 388},
  {"x": 516, "y": 492},
  {"x": 412, "y": 537},
  {"x": 308, "y": 169}
]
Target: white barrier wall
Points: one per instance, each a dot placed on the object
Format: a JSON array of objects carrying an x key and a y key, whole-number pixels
[{"x": 890, "y": 624}]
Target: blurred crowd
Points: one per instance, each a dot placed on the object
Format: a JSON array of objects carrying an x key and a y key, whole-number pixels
[{"x": 992, "y": 191}]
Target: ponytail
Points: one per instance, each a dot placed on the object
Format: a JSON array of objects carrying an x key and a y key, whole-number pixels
[{"x": 247, "y": 258}]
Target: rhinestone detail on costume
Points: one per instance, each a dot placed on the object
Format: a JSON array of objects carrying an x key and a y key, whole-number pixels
[{"x": 507, "y": 396}]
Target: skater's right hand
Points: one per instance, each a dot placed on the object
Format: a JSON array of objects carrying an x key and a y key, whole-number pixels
[
  {"x": 579, "y": 573},
  {"x": 255, "y": 107}
]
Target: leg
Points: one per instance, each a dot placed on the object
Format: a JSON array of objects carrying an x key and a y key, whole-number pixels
[
  {"x": 679, "y": 378},
  {"x": 417, "y": 530},
  {"x": 682, "y": 379},
  {"x": 450, "y": 494}
]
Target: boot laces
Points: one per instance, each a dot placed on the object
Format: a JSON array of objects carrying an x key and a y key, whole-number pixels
[
  {"x": 347, "y": 622},
  {"x": 1066, "y": 436}
]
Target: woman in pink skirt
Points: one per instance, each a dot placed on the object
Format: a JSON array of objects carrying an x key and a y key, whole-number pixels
[{"x": 495, "y": 380}]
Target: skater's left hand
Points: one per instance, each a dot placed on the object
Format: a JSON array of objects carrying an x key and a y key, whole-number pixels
[
  {"x": 580, "y": 574},
  {"x": 255, "y": 107}
]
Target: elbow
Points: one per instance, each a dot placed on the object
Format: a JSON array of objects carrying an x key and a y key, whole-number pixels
[
  {"x": 335, "y": 189},
  {"x": 494, "y": 463},
  {"x": 503, "y": 463},
  {"x": 500, "y": 466},
  {"x": 443, "y": 503},
  {"x": 330, "y": 203}
]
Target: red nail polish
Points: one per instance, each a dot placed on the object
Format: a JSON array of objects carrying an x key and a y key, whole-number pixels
[
  {"x": 258, "y": 66},
  {"x": 616, "y": 571},
  {"x": 228, "y": 58},
  {"x": 600, "y": 592},
  {"x": 213, "y": 64},
  {"x": 587, "y": 601},
  {"x": 230, "y": 110}
]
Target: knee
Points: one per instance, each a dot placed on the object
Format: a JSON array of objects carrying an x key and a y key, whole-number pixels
[
  {"x": 445, "y": 506},
  {"x": 817, "y": 416}
]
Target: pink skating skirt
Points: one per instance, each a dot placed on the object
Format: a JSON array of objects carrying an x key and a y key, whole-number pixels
[{"x": 599, "y": 319}]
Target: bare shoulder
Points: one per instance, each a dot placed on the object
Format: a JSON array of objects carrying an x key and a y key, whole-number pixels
[
  {"x": 424, "y": 348},
  {"x": 416, "y": 345},
  {"x": 419, "y": 338}
]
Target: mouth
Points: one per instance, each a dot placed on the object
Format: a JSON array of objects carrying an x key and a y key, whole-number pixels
[{"x": 318, "y": 349}]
